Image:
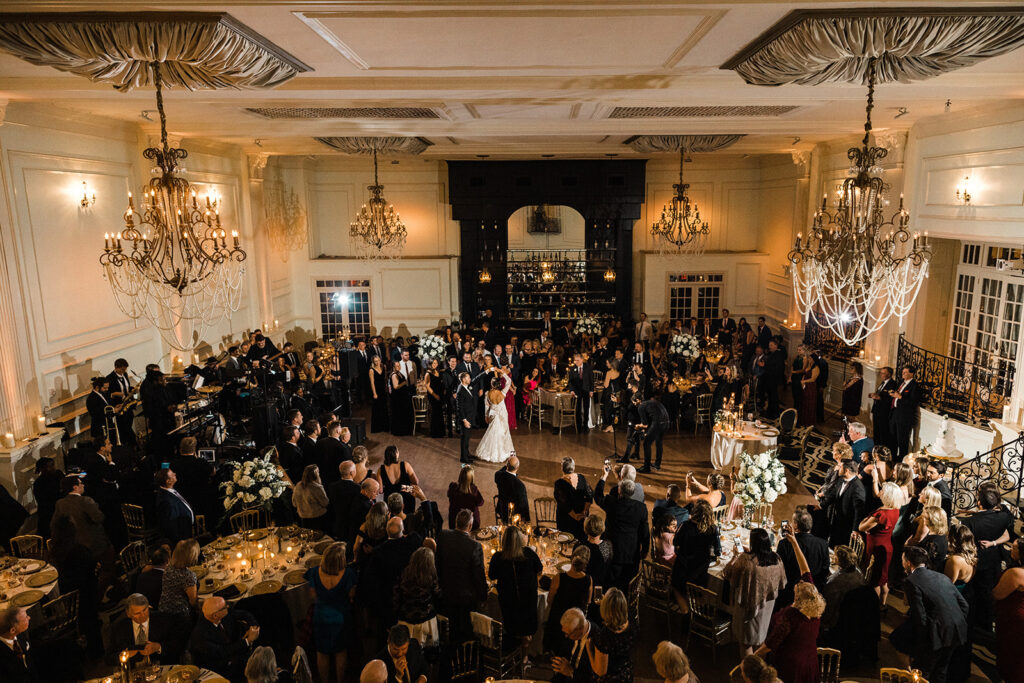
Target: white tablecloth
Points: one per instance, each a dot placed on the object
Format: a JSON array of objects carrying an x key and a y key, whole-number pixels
[
  {"x": 726, "y": 449},
  {"x": 13, "y": 577}
]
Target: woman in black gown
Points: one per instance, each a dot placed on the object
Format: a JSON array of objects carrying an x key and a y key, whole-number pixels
[
  {"x": 515, "y": 568},
  {"x": 401, "y": 403},
  {"x": 435, "y": 395},
  {"x": 697, "y": 545},
  {"x": 573, "y": 497},
  {"x": 853, "y": 391},
  {"x": 379, "y": 387}
]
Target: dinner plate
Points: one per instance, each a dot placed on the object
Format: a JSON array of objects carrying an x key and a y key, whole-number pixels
[
  {"x": 564, "y": 567},
  {"x": 769, "y": 432},
  {"x": 484, "y": 534},
  {"x": 728, "y": 526},
  {"x": 27, "y": 598},
  {"x": 564, "y": 537},
  {"x": 30, "y": 567},
  {"x": 296, "y": 577},
  {"x": 187, "y": 669},
  {"x": 206, "y": 588},
  {"x": 265, "y": 587},
  {"x": 321, "y": 547},
  {"x": 257, "y": 534},
  {"x": 41, "y": 579},
  {"x": 224, "y": 543},
  {"x": 313, "y": 561},
  {"x": 200, "y": 571}
]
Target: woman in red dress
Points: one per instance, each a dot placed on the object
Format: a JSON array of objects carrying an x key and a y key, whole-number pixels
[
  {"x": 1009, "y": 597},
  {"x": 878, "y": 526},
  {"x": 510, "y": 396},
  {"x": 792, "y": 642}
]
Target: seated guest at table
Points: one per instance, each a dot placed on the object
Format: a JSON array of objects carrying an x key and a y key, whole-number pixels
[
  {"x": 46, "y": 490},
  {"x": 223, "y": 639},
  {"x": 403, "y": 657},
  {"x": 143, "y": 633},
  {"x": 512, "y": 498},
  {"x": 464, "y": 495},
  {"x": 375, "y": 671},
  {"x": 150, "y": 581},
  {"x": 672, "y": 664},
  {"x": 697, "y": 545},
  {"x": 341, "y": 495},
  {"x": 713, "y": 493},
  {"x": 792, "y": 642},
  {"x": 310, "y": 500},
  {"x": 572, "y": 499},
  {"x": 571, "y": 588},
  {"x": 372, "y": 532},
  {"x": 574, "y": 663},
  {"x": 612, "y": 646},
  {"x": 628, "y": 530},
  {"x": 756, "y": 670},
  {"x": 662, "y": 547},
  {"x": 844, "y": 579},
  {"x": 76, "y": 567},
  {"x": 756, "y": 577},
  {"x": 814, "y": 549},
  {"x": 333, "y": 585},
  {"x": 174, "y": 516},
  {"x": 417, "y": 597},
  {"x": 179, "y": 591},
  {"x": 17, "y": 661},
  {"x": 600, "y": 550},
  {"x": 262, "y": 667},
  {"x": 460, "y": 571},
  {"x": 672, "y": 504},
  {"x": 515, "y": 568}
]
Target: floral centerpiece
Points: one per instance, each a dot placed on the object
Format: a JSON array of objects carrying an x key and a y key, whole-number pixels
[
  {"x": 432, "y": 346},
  {"x": 760, "y": 479},
  {"x": 685, "y": 345},
  {"x": 253, "y": 483},
  {"x": 588, "y": 326}
]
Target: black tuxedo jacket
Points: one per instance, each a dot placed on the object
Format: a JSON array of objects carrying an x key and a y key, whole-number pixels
[
  {"x": 12, "y": 668},
  {"x": 880, "y": 407},
  {"x": 356, "y": 516},
  {"x": 173, "y": 517},
  {"x": 906, "y": 407},
  {"x": 341, "y": 495},
  {"x": 329, "y": 454},
  {"x": 465, "y": 403},
  {"x": 775, "y": 366},
  {"x": 626, "y": 527},
  {"x": 308, "y": 447},
  {"x": 938, "y": 613},
  {"x": 643, "y": 360},
  {"x": 511, "y": 490},
  {"x": 846, "y": 510},
  {"x": 581, "y": 380},
  {"x": 96, "y": 404},
  {"x": 764, "y": 335},
  {"x": 120, "y": 383},
  {"x": 414, "y": 661},
  {"x": 706, "y": 330},
  {"x": 460, "y": 569},
  {"x": 163, "y": 629},
  {"x": 291, "y": 458},
  {"x": 222, "y": 648}
]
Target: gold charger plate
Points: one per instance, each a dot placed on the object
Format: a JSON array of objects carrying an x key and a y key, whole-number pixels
[
  {"x": 296, "y": 577},
  {"x": 224, "y": 543},
  {"x": 186, "y": 669},
  {"x": 206, "y": 589},
  {"x": 564, "y": 537},
  {"x": 265, "y": 587},
  {"x": 200, "y": 571},
  {"x": 313, "y": 561},
  {"x": 321, "y": 547},
  {"x": 27, "y": 598},
  {"x": 257, "y": 534},
  {"x": 485, "y": 534},
  {"x": 41, "y": 579},
  {"x": 728, "y": 526},
  {"x": 30, "y": 567}
]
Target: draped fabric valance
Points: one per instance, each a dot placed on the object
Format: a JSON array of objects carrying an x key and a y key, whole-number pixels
[
  {"x": 674, "y": 143},
  {"x": 382, "y": 145},
  {"x": 197, "y": 50},
  {"x": 809, "y": 47}
]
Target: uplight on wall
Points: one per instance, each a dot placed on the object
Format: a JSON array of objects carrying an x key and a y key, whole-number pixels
[
  {"x": 88, "y": 198},
  {"x": 963, "y": 191}
]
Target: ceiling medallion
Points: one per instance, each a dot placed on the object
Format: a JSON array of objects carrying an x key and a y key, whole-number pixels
[
  {"x": 852, "y": 274},
  {"x": 173, "y": 263},
  {"x": 680, "y": 225},
  {"x": 378, "y": 231}
]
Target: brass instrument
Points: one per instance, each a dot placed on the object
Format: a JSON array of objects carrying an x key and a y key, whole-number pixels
[{"x": 110, "y": 427}]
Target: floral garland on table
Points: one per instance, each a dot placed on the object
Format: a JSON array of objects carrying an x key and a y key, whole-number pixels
[
  {"x": 253, "y": 483},
  {"x": 685, "y": 345},
  {"x": 588, "y": 326},
  {"x": 432, "y": 346},
  {"x": 760, "y": 479}
]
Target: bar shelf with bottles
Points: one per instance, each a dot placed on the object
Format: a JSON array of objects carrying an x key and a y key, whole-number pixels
[{"x": 567, "y": 282}]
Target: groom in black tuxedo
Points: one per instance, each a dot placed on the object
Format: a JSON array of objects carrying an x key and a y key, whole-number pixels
[
  {"x": 465, "y": 410},
  {"x": 581, "y": 384}
]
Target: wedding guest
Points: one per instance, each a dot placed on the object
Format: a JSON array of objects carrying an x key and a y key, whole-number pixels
[
  {"x": 179, "y": 590},
  {"x": 573, "y": 498},
  {"x": 815, "y": 552},
  {"x": 672, "y": 504},
  {"x": 570, "y": 588},
  {"x": 460, "y": 570},
  {"x": 403, "y": 657},
  {"x": 628, "y": 530},
  {"x": 515, "y": 569},
  {"x": 991, "y": 527},
  {"x": 1009, "y": 617},
  {"x": 574, "y": 663},
  {"x": 262, "y": 667},
  {"x": 417, "y": 597},
  {"x": 76, "y": 567},
  {"x": 17, "y": 661},
  {"x": 331, "y": 451},
  {"x": 600, "y": 550},
  {"x": 333, "y": 587},
  {"x": 372, "y": 532},
  {"x": 808, "y": 409},
  {"x": 713, "y": 493},
  {"x": 853, "y": 392},
  {"x": 672, "y": 664},
  {"x": 143, "y": 633},
  {"x": 878, "y": 528},
  {"x": 844, "y": 579},
  {"x": 397, "y": 475},
  {"x": 435, "y": 396},
  {"x": 697, "y": 545},
  {"x": 612, "y": 646},
  {"x": 307, "y": 442},
  {"x": 662, "y": 548},
  {"x": 46, "y": 490},
  {"x": 960, "y": 564},
  {"x": 150, "y": 581},
  {"x": 310, "y": 500},
  {"x": 379, "y": 420},
  {"x": 611, "y": 395},
  {"x": 223, "y": 638},
  {"x": 931, "y": 534},
  {"x": 756, "y": 670},
  {"x": 512, "y": 498},
  {"x": 360, "y": 458},
  {"x": 464, "y": 495},
  {"x": 86, "y": 515},
  {"x": 756, "y": 577},
  {"x": 368, "y": 491}
]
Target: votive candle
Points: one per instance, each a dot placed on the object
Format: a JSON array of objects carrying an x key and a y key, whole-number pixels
[
  {"x": 8, "y": 440},
  {"x": 41, "y": 423}
]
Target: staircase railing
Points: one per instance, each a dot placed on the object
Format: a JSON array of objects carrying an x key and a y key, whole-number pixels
[
  {"x": 1003, "y": 465},
  {"x": 970, "y": 392}
]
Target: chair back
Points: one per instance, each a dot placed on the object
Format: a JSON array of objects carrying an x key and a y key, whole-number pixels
[
  {"x": 656, "y": 580},
  {"x": 736, "y": 675},
  {"x": 497, "y": 516},
  {"x": 247, "y": 520},
  {"x": 133, "y": 556},
  {"x": 893, "y": 675},
  {"x": 28, "y": 546},
  {"x": 544, "y": 511},
  {"x": 199, "y": 526},
  {"x": 828, "y": 664},
  {"x": 704, "y": 408},
  {"x": 633, "y": 599},
  {"x": 465, "y": 662},
  {"x": 857, "y": 544},
  {"x": 762, "y": 513},
  {"x": 718, "y": 514},
  {"x": 61, "y": 615},
  {"x": 787, "y": 420},
  {"x": 134, "y": 519}
]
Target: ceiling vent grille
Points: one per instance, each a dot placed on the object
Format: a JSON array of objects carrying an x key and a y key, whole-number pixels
[
  {"x": 344, "y": 112},
  {"x": 700, "y": 112}
]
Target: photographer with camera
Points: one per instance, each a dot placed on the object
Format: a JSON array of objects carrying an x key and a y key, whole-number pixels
[{"x": 653, "y": 421}]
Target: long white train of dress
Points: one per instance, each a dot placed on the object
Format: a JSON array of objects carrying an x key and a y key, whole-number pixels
[{"x": 496, "y": 445}]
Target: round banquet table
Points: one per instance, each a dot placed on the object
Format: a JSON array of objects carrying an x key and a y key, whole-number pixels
[
  {"x": 164, "y": 674},
  {"x": 726, "y": 447},
  {"x": 26, "y": 583}
]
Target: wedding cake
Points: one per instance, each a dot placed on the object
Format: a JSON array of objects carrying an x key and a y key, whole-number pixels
[{"x": 945, "y": 444}]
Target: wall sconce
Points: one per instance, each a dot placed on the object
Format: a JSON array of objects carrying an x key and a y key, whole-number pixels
[
  {"x": 609, "y": 275},
  {"x": 963, "y": 194},
  {"x": 485, "y": 276},
  {"x": 87, "y": 199}
]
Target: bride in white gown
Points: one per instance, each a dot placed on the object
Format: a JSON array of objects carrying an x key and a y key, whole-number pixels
[{"x": 496, "y": 445}]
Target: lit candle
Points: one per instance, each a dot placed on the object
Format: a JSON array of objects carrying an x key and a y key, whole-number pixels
[
  {"x": 234, "y": 236},
  {"x": 878, "y": 358},
  {"x": 41, "y": 422},
  {"x": 8, "y": 440}
]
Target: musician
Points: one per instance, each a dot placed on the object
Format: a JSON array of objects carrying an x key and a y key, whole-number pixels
[
  {"x": 262, "y": 349},
  {"x": 159, "y": 406},
  {"x": 97, "y": 403},
  {"x": 289, "y": 359},
  {"x": 210, "y": 373},
  {"x": 120, "y": 385},
  {"x": 233, "y": 364}
]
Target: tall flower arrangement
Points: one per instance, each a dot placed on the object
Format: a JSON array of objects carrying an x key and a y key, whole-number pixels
[
  {"x": 685, "y": 345},
  {"x": 760, "y": 479},
  {"x": 432, "y": 346},
  {"x": 588, "y": 326},
  {"x": 253, "y": 483}
]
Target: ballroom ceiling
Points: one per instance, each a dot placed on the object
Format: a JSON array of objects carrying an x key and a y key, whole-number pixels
[{"x": 515, "y": 79}]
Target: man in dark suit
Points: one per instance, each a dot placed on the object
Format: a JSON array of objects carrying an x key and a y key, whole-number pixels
[
  {"x": 223, "y": 639},
  {"x": 460, "y": 572},
  {"x": 307, "y": 442},
  {"x": 342, "y": 494},
  {"x": 144, "y": 633},
  {"x": 120, "y": 390},
  {"x": 16, "y": 665},
  {"x": 627, "y": 528},
  {"x": 363, "y": 358},
  {"x": 290, "y": 454},
  {"x": 174, "y": 516},
  {"x": 641, "y": 358},
  {"x": 330, "y": 452},
  {"x": 654, "y": 421},
  {"x": 881, "y": 407},
  {"x": 991, "y": 526},
  {"x": 387, "y": 562},
  {"x": 936, "y": 621},
  {"x": 846, "y": 507},
  {"x": 403, "y": 657},
  {"x": 97, "y": 403},
  {"x": 581, "y": 385},
  {"x": 764, "y": 333},
  {"x": 774, "y": 377},
  {"x": 465, "y": 413},
  {"x": 397, "y": 349},
  {"x": 725, "y": 328},
  {"x": 512, "y": 498},
  {"x": 705, "y": 331},
  {"x": 573, "y": 664},
  {"x": 903, "y": 416},
  {"x": 935, "y": 477},
  {"x": 815, "y": 550},
  {"x": 85, "y": 513},
  {"x": 449, "y": 385},
  {"x": 195, "y": 479}
]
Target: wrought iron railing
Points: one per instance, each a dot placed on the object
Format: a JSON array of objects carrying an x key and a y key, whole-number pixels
[
  {"x": 1003, "y": 465},
  {"x": 970, "y": 392},
  {"x": 825, "y": 340}
]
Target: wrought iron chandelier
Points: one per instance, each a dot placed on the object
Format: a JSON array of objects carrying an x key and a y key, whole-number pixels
[
  {"x": 378, "y": 231},
  {"x": 173, "y": 263},
  {"x": 680, "y": 225},
  {"x": 854, "y": 272}
]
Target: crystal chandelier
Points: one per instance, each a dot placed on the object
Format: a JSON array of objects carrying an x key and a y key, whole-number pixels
[
  {"x": 172, "y": 263},
  {"x": 378, "y": 229},
  {"x": 854, "y": 271},
  {"x": 680, "y": 225}
]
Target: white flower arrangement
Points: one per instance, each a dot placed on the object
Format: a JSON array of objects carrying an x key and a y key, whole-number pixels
[
  {"x": 760, "y": 479},
  {"x": 432, "y": 346},
  {"x": 685, "y": 345},
  {"x": 253, "y": 481},
  {"x": 588, "y": 326}
]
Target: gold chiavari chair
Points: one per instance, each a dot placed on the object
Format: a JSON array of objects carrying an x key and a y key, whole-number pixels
[
  {"x": 544, "y": 510},
  {"x": 894, "y": 675},
  {"x": 28, "y": 546},
  {"x": 828, "y": 664}
]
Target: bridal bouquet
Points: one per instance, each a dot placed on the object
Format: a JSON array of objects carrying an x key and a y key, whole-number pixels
[
  {"x": 761, "y": 478},
  {"x": 432, "y": 346},
  {"x": 254, "y": 483},
  {"x": 685, "y": 345},
  {"x": 588, "y": 326}
]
